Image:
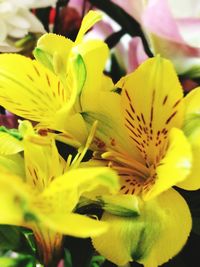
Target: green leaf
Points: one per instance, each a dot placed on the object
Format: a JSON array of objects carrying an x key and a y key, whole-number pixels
[
  {"x": 10, "y": 237},
  {"x": 97, "y": 261},
  {"x": 13, "y": 132},
  {"x": 7, "y": 262},
  {"x": 67, "y": 258},
  {"x": 17, "y": 239},
  {"x": 29, "y": 245},
  {"x": 29, "y": 38},
  {"x": 26, "y": 261}
]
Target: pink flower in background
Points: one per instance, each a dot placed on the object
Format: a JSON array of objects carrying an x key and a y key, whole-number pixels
[
  {"x": 101, "y": 30},
  {"x": 175, "y": 32},
  {"x": 61, "y": 264},
  {"x": 105, "y": 28},
  {"x": 136, "y": 53},
  {"x": 133, "y": 7},
  {"x": 172, "y": 28},
  {"x": 69, "y": 22}
]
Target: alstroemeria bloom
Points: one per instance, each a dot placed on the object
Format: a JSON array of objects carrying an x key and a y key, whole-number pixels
[
  {"x": 55, "y": 92},
  {"x": 36, "y": 89},
  {"x": 155, "y": 225},
  {"x": 40, "y": 191},
  {"x": 103, "y": 30},
  {"x": 16, "y": 21},
  {"x": 177, "y": 37}
]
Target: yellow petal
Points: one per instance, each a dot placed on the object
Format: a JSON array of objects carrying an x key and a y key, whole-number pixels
[
  {"x": 30, "y": 90},
  {"x": 25, "y": 128},
  {"x": 191, "y": 129},
  {"x": 152, "y": 105},
  {"x": 130, "y": 238},
  {"x": 9, "y": 144},
  {"x": 121, "y": 205},
  {"x": 57, "y": 48},
  {"x": 174, "y": 167},
  {"x": 76, "y": 77},
  {"x": 192, "y": 182},
  {"x": 13, "y": 164},
  {"x": 63, "y": 136},
  {"x": 89, "y": 20},
  {"x": 111, "y": 133},
  {"x": 176, "y": 229},
  {"x": 65, "y": 64},
  {"x": 73, "y": 125},
  {"x": 53, "y": 50},
  {"x": 14, "y": 195},
  {"x": 192, "y": 106},
  {"x": 35, "y": 93},
  {"x": 51, "y": 42},
  {"x": 73, "y": 224},
  {"x": 69, "y": 187},
  {"x": 152, "y": 238},
  {"x": 38, "y": 162},
  {"x": 92, "y": 51}
]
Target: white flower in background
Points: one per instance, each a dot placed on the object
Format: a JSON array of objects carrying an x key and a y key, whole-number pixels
[{"x": 16, "y": 21}]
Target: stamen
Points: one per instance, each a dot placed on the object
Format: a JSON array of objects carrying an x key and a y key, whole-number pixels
[
  {"x": 82, "y": 151},
  {"x": 124, "y": 159},
  {"x": 125, "y": 170},
  {"x": 68, "y": 163}
]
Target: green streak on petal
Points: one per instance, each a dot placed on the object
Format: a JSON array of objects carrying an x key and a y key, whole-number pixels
[
  {"x": 30, "y": 217},
  {"x": 191, "y": 123},
  {"x": 44, "y": 58},
  {"x": 105, "y": 123},
  {"x": 120, "y": 205},
  {"x": 79, "y": 69}
]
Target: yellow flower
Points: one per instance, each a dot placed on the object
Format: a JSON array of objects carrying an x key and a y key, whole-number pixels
[
  {"x": 155, "y": 156},
  {"x": 10, "y": 141},
  {"x": 139, "y": 135},
  {"x": 55, "y": 92},
  {"x": 191, "y": 128},
  {"x": 40, "y": 191}
]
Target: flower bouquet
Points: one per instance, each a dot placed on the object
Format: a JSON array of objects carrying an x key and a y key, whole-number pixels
[{"x": 100, "y": 133}]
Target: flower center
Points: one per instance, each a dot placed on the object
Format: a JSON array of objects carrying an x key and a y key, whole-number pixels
[
  {"x": 135, "y": 176},
  {"x": 148, "y": 130}
]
